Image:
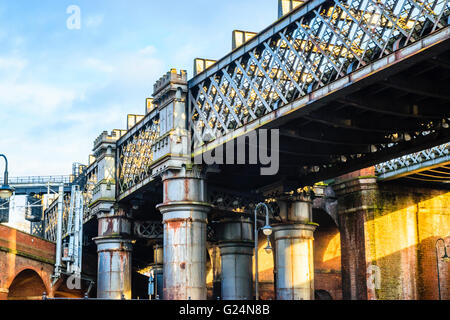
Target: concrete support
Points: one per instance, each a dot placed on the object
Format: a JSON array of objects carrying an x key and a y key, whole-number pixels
[
  {"x": 184, "y": 213},
  {"x": 236, "y": 252},
  {"x": 294, "y": 259},
  {"x": 114, "y": 248}
]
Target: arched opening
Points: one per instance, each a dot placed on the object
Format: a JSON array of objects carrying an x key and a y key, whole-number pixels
[
  {"x": 27, "y": 285},
  {"x": 327, "y": 257},
  {"x": 322, "y": 295}
]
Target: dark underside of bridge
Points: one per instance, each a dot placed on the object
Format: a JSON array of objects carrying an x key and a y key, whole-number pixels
[{"x": 390, "y": 113}]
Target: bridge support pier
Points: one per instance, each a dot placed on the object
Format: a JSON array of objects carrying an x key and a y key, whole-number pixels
[
  {"x": 184, "y": 213},
  {"x": 294, "y": 259},
  {"x": 4, "y": 294},
  {"x": 236, "y": 252},
  {"x": 114, "y": 248}
]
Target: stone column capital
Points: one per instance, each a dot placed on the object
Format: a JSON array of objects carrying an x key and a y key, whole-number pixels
[{"x": 113, "y": 244}]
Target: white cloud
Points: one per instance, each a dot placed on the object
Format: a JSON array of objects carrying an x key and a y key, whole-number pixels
[
  {"x": 99, "y": 65},
  {"x": 148, "y": 50},
  {"x": 51, "y": 124},
  {"x": 11, "y": 67},
  {"x": 35, "y": 98},
  {"x": 94, "y": 21}
]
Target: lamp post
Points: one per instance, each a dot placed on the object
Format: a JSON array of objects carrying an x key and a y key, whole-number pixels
[
  {"x": 267, "y": 230},
  {"x": 5, "y": 190},
  {"x": 445, "y": 258}
]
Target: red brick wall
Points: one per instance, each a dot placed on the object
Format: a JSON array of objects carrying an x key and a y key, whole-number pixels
[
  {"x": 392, "y": 227},
  {"x": 327, "y": 261},
  {"x": 20, "y": 251}
]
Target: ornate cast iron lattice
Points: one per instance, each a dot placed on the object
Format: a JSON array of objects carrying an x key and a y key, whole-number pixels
[
  {"x": 319, "y": 43},
  {"x": 148, "y": 229},
  {"x": 135, "y": 154},
  {"x": 50, "y": 219}
]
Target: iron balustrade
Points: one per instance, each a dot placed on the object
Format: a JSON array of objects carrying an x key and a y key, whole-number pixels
[
  {"x": 413, "y": 161},
  {"x": 135, "y": 152},
  {"x": 40, "y": 180}
]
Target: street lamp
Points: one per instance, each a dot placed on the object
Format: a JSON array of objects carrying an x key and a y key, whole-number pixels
[
  {"x": 267, "y": 230},
  {"x": 5, "y": 190}
]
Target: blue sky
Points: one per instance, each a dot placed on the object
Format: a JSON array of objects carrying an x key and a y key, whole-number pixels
[{"x": 60, "y": 88}]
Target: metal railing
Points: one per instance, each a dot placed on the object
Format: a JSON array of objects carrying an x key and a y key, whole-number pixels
[
  {"x": 414, "y": 161},
  {"x": 318, "y": 43},
  {"x": 40, "y": 180}
]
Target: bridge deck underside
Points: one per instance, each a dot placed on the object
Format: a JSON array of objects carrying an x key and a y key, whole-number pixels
[
  {"x": 387, "y": 113},
  {"x": 438, "y": 177}
]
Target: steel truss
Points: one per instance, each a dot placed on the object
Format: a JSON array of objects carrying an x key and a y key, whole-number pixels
[
  {"x": 320, "y": 42},
  {"x": 424, "y": 158}
]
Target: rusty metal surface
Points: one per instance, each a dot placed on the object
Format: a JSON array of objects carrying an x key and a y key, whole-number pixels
[
  {"x": 184, "y": 251},
  {"x": 184, "y": 213},
  {"x": 114, "y": 268},
  {"x": 114, "y": 248}
]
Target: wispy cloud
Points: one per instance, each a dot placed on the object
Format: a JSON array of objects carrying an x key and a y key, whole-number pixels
[
  {"x": 94, "y": 21},
  {"x": 59, "y": 88}
]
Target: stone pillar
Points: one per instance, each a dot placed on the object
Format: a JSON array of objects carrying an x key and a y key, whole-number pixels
[
  {"x": 357, "y": 193},
  {"x": 114, "y": 248},
  {"x": 294, "y": 261},
  {"x": 236, "y": 252},
  {"x": 184, "y": 213}
]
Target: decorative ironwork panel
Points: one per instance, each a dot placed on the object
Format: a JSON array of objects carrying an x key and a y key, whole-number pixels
[
  {"x": 321, "y": 42},
  {"x": 149, "y": 229},
  {"x": 135, "y": 153},
  {"x": 89, "y": 184},
  {"x": 225, "y": 200},
  {"x": 50, "y": 218},
  {"x": 421, "y": 157},
  {"x": 37, "y": 229}
]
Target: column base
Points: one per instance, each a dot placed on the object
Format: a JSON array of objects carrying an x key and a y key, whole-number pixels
[
  {"x": 237, "y": 270},
  {"x": 184, "y": 250},
  {"x": 114, "y": 268},
  {"x": 294, "y": 261}
]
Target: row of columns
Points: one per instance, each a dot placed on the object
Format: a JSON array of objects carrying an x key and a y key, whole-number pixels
[{"x": 184, "y": 211}]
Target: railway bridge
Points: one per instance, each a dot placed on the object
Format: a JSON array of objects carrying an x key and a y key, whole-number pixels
[{"x": 336, "y": 117}]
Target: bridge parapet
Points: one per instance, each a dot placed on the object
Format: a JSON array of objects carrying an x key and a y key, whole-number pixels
[
  {"x": 408, "y": 164},
  {"x": 315, "y": 44},
  {"x": 159, "y": 141}
]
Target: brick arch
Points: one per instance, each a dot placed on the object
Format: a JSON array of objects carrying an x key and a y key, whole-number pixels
[
  {"x": 27, "y": 284},
  {"x": 44, "y": 270},
  {"x": 20, "y": 251}
]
